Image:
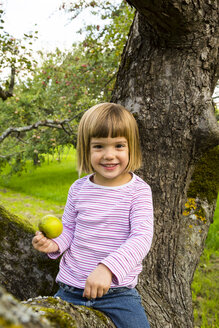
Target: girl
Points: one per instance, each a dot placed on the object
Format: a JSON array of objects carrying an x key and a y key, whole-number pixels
[{"x": 108, "y": 220}]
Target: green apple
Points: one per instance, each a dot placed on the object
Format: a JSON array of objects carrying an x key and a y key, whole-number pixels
[{"x": 51, "y": 226}]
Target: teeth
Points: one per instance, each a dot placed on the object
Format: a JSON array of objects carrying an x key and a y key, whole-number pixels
[{"x": 109, "y": 165}]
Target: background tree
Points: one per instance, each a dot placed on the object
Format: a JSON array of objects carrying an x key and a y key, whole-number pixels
[
  {"x": 16, "y": 57},
  {"x": 167, "y": 75},
  {"x": 47, "y": 106}
]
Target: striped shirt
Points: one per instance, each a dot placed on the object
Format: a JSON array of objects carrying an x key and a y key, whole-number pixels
[{"x": 109, "y": 225}]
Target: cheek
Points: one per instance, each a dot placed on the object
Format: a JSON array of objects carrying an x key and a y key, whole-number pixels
[
  {"x": 125, "y": 158},
  {"x": 93, "y": 157}
]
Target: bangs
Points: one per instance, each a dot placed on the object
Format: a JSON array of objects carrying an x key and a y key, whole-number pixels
[{"x": 110, "y": 124}]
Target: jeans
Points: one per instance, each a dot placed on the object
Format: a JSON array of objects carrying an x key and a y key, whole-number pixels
[{"x": 122, "y": 305}]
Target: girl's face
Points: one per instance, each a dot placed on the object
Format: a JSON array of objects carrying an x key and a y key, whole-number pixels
[{"x": 109, "y": 159}]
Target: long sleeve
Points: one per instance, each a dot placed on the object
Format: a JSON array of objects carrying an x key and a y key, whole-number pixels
[
  {"x": 68, "y": 220},
  {"x": 131, "y": 253}
]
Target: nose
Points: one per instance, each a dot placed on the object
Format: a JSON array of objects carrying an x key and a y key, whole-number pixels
[{"x": 109, "y": 154}]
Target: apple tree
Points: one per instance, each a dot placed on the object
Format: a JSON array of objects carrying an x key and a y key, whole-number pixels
[
  {"x": 16, "y": 57},
  {"x": 42, "y": 116}
]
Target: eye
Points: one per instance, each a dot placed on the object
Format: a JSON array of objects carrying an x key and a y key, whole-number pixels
[
  {"x": 120, "y": 145},
  {"x": 97, "y": 146}
]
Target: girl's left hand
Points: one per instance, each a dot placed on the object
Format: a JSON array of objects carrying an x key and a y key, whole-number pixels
[{"x": 98, "y": 282}]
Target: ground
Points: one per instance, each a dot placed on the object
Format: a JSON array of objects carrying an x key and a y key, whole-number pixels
[{"x": 28, "y": 207}]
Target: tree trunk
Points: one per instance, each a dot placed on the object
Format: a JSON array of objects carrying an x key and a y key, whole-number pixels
[{"x": 166, "y": 79}]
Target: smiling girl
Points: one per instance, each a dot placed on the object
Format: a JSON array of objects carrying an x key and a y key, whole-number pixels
[{"x": 108, "y": 220}]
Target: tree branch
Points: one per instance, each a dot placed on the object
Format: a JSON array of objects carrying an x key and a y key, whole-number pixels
[
  {"x": 169, "y": 17},
  {"x": 10, "y": 155},
  {"x": 47, "y": 123}
]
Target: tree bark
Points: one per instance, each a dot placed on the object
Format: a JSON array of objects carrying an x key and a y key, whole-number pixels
[
  {"x": 24, "y": 272},
  {"x": 5, "y": 94},
  {"x": 48, "y": 312},
  {"x": 167, "y": 75}
]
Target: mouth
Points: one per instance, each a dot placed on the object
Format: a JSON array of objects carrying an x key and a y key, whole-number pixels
[{"x": 110, "y": 166}]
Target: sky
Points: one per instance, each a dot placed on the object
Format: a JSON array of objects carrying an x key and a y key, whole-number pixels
[{"x": 55, "y": 29}]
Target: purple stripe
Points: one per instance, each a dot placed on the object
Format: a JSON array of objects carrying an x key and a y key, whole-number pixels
[{"x": 113, "y": 226}]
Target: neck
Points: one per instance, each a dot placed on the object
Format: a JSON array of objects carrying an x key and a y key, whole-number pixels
[{"x": 119, "y": 181}]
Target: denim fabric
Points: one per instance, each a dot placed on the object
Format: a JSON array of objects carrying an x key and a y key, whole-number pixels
[{"x": 122, "y": 305}]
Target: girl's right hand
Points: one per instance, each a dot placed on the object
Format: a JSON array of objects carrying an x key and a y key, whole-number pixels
[{"x": 43, "y": 244}]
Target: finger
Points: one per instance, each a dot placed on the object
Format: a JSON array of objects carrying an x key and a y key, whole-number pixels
[
  {"x": 35, "y": 240},
  {"x": 100, "y": 292},
  {"x": 87, "y": 291},
  {"x": 93, "y": 293},
  {"x": 46, "y": 247},
  {"x": 105, "y": 290},
  {"x": 38, "y": 237},
  {"x": 43, "y": 241},
  {"x": 40, "y": 242},
  {"x": 50, "y": 247}
]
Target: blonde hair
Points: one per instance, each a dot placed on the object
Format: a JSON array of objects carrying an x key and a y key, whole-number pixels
[{"x": 107, "y": 120}]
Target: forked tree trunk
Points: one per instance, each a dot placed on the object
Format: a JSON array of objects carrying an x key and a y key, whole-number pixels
[{"x": 166, "y": 78}]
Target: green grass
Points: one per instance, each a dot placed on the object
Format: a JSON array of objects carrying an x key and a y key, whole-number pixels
[
  {"x": 28, "y": 207},
  {"x": 205, "y": 285},
  {"x": 44, "y": 191},
  {"x": 51, "y": 181},
  {"x": 212, "y": 241},
  {"x": 205, "y": 291}
]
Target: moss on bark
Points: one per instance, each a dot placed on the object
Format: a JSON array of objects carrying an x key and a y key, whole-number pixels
[
  {"x": 24, "y": 272},
  {"x": 205, "y": 179}
]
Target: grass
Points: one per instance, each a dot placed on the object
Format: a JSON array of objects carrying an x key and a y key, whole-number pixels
[
  {"x": 212, "y": 241},
  {"x": 39, "y": 191},
  {"x": 205, "y": 291},
  {"x": 51, "y": 181},
  {"x": 28, "y": 207},
  {"x": 205, "y": 285},
  {"x": 44, "y": 191}
]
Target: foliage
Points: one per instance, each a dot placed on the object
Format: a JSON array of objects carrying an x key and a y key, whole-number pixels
[
  {"x": 62, "y": 87},
  {"x": 16, "y": 57}
]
